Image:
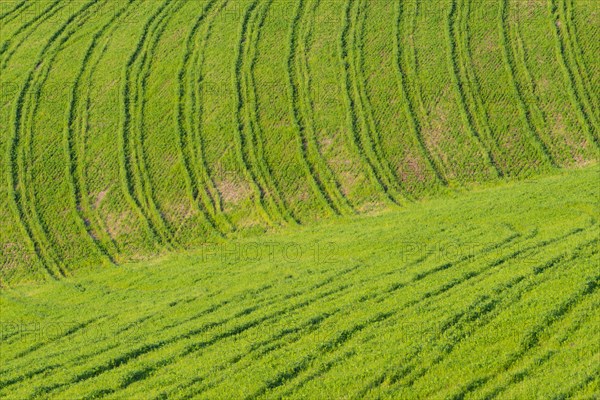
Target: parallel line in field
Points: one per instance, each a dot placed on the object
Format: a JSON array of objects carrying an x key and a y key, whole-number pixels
[
  {"x": 372, "y": 129},
  {"x": 134, "y": 175},
  {"x": 350, "y": 270},
  {"x": 329, "y": 176},
  {"x": 148, "y": 58},
  {"x": 252, "y": 324},
  {"x": 11, "y": 14},
  {"x": 361, "y": 141},
  {"x": 346, "y": 271},
  {"x": 319, "y": 174},
  {"x": 73, "y": 137},
  {"x": 265, "y": 198},
  {"x": 361, "y": 284},
  {"x": 429, "y": 296},
  {"x": 571, "y": 75},
  {"x": 534, "y": 364},
  {"x": 85, "y": 130},
  {"x": 346, "y": 335},
  {"x": 494, "y": 306},
  {"x": 327, "y": 294},
  {"x": 200, "y": 184},
  {"x": 408, "y": 102},
  {"x": 527, "y": 86},
  {"x": 256, "y": 134},
  {"x": 579, "y": 68},
  {"x": 197, "y": 113},
  {"x": 409, "y": 371},
  {"x": 462, "y": 82},
  {"x": 311, "y": 325},
  {"x": 580, "y": 61},
  {"x": 259, "y": 194},
  {"x": 189, "y": 349},
  {"x": 533, "y": 336},
  {"x": 6, "y": 52},
  {"x": 66, "y": 334},
  {"x": 508, "y": 39},
  {"x": 22, "y": 200},
  {"x": 205, "y": 327},
  {"x": 265, "y": 347}
]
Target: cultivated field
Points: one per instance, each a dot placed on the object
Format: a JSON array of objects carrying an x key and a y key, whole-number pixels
[
  {"x": 342, "y": 199},
  {"x": 471, "y": 297},
  {"x": 131, "y": 128}
]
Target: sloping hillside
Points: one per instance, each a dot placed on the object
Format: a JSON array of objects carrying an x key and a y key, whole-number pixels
[
  {"x": 131, "y": 128},
  {"x": 490, "y": 295}
]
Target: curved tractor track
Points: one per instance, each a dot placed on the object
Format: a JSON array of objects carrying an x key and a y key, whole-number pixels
[{"x": 167, "y": 47}]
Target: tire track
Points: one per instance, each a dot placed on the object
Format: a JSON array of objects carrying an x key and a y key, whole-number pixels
[
  {"x": 462, "y": 85},
  {"x": 205, "y": 327},
  {"x": 197, "y": 114},
  {"x": 256, "y": 133},
  {"x": 249, "y": 143},
  {"x": 13, "y": 11},
  {"x": 361, "y": 139},
  {"x": 532, "y": 339},
  {"x": 485, "y": 308},
  {"x": 405, "y": 90},
  {"x": 6, "y": 52},
  {"x": 80, "y": 200},
  {"x": 508, "y": 38},
  {"x": 194, "y": 347},
  {"x": 535, "y": 363},
  {"x": 138, "y": 117},
  {"x": 582, "y": 67},
  {"x": 135, "y": 180},
  {"x": 372, "y": 129},
  {"x": 201, "y": 187},
  {"x": 344, "y": 335},
  {"x": 20, "y": 191},
  {"x": 343, "y": 288},
  {"x": 321, "y": 177},
  {"x": 572, "y": 78}
]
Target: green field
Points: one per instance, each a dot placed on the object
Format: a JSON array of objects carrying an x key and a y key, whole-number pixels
[
  {"x": 134, "y": 128},
  {"x": 464, "y": 297},
  {"x": 299, "y": 199}
]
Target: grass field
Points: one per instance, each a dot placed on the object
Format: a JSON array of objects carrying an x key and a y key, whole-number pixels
[
  {"x": 491, "y": 294},
  {"x": 134, "y": 128},
  {"x": 344, "y": 199}
]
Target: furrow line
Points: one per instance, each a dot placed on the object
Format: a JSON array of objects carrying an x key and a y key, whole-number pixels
[
  {"x": 571, "y": 76},
  {"x": 190, "y": 141},
  {"x": 356, "y": 131},
  {"x": 144, "y": 66},
  {"x": 263, "y": 200},
  {"x": 300, "y": 102},
  {"x": 255, "y": 132},
  {"x": 6, "y": 52},
  {"x": 372, "y": 131},
  {"x": 22, "y": 200},
  {"x": 579, "y": 67},
  {"x": 131, "y": 177},
  {"x": 508, "y": 38},
  {"x": 464, "y": 93},
  {"x": 80, "y": 200},
  {"x": 214, "y": 201},
  {"x": 407, "y": 94}
]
